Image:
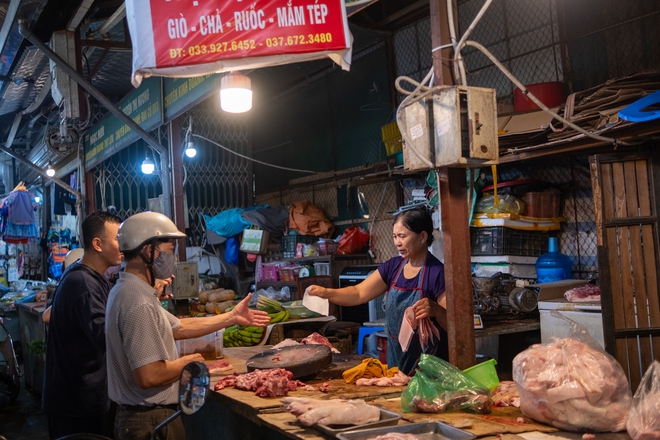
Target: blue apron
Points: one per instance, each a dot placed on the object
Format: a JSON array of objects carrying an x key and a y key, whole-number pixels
[{"x": 398, "y": 299}]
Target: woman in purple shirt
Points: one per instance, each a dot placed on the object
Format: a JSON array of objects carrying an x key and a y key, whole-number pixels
[{"x": 414, "y": 279}]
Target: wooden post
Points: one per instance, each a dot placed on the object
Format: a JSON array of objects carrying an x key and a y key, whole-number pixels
[
  {"x": 177, "y": 181},
  {"x": 452, "y": 188}
]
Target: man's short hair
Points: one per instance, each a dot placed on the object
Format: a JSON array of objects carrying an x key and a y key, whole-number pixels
[{"x": 94, "y": 226}]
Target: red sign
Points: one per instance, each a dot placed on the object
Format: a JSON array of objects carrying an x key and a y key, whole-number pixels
[{"x": 192, "y": 32}]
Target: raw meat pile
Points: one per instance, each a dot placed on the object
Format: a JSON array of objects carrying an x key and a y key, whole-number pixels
[
  {"x": 467, "y": 400},
  {"x": 331, "y": 412},
  {"x": 644, "y": 418},
  {"x": 572, "y": 385},
  {"x": 586, "y": 293},
  {"x": 267, "y": 383},
  {"x": 506, "y": 394},
  {"x": 220, "y": 367},
  {"x": 398, "y": 380},
  {"x": 312, "y": 339}
]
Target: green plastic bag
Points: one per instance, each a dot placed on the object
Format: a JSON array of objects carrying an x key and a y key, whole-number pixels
[{"x": 438, "y": 387}]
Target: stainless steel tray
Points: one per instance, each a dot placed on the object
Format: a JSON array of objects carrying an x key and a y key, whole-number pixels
[
  {"x": 387, "y": 418},
  {"x": 424, "y": 431}
]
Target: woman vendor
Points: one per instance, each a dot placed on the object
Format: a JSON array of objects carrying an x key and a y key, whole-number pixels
[{"x": 413, "y": 279}]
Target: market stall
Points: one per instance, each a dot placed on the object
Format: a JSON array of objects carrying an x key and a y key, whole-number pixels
[{"x": 232, "y": 413}]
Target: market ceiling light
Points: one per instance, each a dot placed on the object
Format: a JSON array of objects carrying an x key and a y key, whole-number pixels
[
  {"x": 235, "y": 93},
  {"x": 37, "y": 199},
  {"x": 148, "y": 166},
  {"x": 50, "y": 172},
  {"x": 190, "y": 149}
]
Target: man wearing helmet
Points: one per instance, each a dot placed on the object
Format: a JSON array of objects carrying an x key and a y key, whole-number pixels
[{"x": 143, "y": 363}]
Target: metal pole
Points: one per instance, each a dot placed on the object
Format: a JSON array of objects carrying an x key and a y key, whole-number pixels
[
  {"x": 165, "y": 183},
  {"x": 41, "y": 172}
]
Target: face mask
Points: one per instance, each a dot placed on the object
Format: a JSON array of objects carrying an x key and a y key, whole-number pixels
[{"x": 164, "y": 265}]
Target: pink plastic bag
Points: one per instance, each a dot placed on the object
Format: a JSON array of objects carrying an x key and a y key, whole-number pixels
[
  {"x": 644, "y": 418},
  {"x": 572, "y": 384}
]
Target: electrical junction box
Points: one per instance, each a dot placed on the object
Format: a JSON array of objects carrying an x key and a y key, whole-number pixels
[
  {"x": 455, "y": 126},
  {"x": 64, "y": 89},
  {"x": 186, "y": 281}
]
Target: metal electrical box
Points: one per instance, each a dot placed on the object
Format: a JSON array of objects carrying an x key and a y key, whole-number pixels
[
  {"x": 186, "y": 281},
  {"x": 455, "y": 126}
]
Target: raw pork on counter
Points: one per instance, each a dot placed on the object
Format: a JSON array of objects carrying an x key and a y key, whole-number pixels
[
  {"x": 312, "y": 339},
  {"x": 644, "y": 418},
  {"x": 586, "y": 293},
  {"x": 220, "y": 366},
  {"x": 506, "y": 394},
  {"x": 267, "y": 383},
  {"x": 331, "y": 412},
  {"x": 398, "y": 380},
  {"x": 572, "y": 385}
]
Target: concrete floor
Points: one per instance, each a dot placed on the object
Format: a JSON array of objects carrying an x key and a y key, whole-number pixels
[{"x": 24, "y": 419}]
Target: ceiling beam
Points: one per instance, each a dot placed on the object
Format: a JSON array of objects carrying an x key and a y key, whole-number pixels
[
  {"x": 9, "y": 21},
  {"x": 421, "y": 4},
  {"x": 111, "y": 22}
]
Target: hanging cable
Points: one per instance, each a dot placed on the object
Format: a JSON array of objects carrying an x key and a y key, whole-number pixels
[
  {"x": 458, "y": 60},
  {"x": 413, "y": 96},
  {"x": 545, "y": 108},
  {"x": 251, "y": 159}
]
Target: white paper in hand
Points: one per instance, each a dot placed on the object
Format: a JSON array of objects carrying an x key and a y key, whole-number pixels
[{"x": 316, "y": 304}]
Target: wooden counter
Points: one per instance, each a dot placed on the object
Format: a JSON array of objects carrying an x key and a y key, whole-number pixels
[{"x": 236, "y": 414}]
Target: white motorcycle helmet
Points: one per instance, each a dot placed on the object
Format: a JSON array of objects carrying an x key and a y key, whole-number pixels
[
  {"x": 72, "y": 256},
  {"x": 140, "y": 228}
]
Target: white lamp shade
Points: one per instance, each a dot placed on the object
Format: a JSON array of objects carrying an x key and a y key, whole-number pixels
[
  {"x": 235, "y": 93},
  {"x": 148, "y": 166}
]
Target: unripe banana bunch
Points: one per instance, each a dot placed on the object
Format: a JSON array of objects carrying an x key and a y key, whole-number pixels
[
  {"x": 280, "y": 316},
  {"x": 240, "y": 336}
]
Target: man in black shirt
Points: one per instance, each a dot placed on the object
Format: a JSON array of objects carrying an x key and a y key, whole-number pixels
[{"x": 75, "y": 394}]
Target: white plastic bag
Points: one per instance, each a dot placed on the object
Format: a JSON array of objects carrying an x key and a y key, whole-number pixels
[
  {"x": 572, "y": 384},
  {"x": 644, "y": 418}
]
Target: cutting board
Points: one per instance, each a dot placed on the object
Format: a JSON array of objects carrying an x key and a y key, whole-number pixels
[
  {"x": 303, "y": 361},
  {"x": 340, "y": 363},
  {"x": 337, "y": 389}
]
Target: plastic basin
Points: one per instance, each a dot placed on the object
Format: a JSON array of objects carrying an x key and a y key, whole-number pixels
[{"x": 484, "y": 373}]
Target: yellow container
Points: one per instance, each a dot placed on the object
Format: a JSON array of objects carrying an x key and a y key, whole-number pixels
[
  {"x": 391, "y": 138},
  {"x": 484, "y": 373}
]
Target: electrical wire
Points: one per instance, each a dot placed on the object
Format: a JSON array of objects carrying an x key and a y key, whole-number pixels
[
  {"x": 545, "y": 108},
  {"x": 251, "y": 159},
  {"x": 413, "y": 96},
  {"x": 458, "y": 61}
]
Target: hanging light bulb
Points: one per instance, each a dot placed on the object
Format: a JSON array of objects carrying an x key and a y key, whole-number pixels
[
  {"x": 37, "y": 199},
  {"x": 148, "y": 166},
  {"x": 190, "y": 149},
  {"x": 50, "y": 172},
  {"x": 235, "y": 93}
]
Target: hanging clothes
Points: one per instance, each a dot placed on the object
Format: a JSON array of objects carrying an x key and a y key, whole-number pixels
[{"x": 21, "y": 225}]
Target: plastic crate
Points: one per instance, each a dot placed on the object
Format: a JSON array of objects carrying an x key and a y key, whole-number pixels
[
  {"x": 506, "y": 241},
  {"x": 391, "y": 138},
  {"x": 289, "y": 243},
  {"x": 269, "y": 272}
]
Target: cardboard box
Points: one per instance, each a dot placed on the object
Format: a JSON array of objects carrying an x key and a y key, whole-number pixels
[{"x": 556, "y": 289}]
